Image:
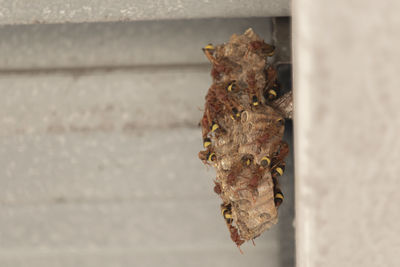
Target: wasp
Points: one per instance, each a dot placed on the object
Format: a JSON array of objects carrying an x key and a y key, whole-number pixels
[
  {"x": 272, "y": 88},
  {"x": 278, "y": 196},
  {"x": 265, "y": 48},
  {"x": 272, "y": 93},
  {"x": 265, "y": 161},
  {"x": 261, "y": 139},
  {"x": 255, "y": 94},
  {"x": 235, "y": 114},
  {"x": 247, "y": 160},
  {"x": 233, "y": 174},
  {"x": 277, "y": 169},
  {"x": 218, "y": 66},
  {"x": 226, "y": 210},
  {"x": 211, "y": 156},
  {"x": 214, "y": 126},
  {"x": 217, "y": 188},
  {"x": 206, "y": 142},
  {"x": 211, "y": 111},
  {"x": 253, "y": 182},
  {"x": 282, "y": 152},
  {"x": 231, "y": 179},
  {"x": 209, "y": 51},
  {"x": 236, "y": 237},
  {"x": 231, "y": 86},
  {"x": 207, "y": 156},
  {"x": 222, "y": 96},
  {"x": 254, "y": 100}
]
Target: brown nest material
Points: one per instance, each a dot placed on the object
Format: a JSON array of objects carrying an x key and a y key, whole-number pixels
[{"x": 242, "y": 126}]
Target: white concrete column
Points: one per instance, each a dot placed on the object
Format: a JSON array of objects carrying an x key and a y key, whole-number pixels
[{"x": 347, "y": 128}]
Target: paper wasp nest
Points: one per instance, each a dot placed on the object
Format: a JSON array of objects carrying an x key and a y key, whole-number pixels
[{"x": 242, "y": 126}]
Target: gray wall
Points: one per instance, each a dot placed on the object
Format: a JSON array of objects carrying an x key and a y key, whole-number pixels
[
  {"x": 99, "y": 143},
  {"x": 63, "y": 11}
]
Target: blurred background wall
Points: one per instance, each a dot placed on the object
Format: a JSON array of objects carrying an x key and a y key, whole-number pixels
[{"x": 99, "y": 135}]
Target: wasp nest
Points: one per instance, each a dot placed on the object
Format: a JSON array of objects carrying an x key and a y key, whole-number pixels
[{"x": 242, "y": 126}]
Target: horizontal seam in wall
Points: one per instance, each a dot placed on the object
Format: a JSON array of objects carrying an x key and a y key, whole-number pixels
[{"x": 94, "y": 69}]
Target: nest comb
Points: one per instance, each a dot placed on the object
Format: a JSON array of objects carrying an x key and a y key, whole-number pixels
[{"x": 242, "y": 129}]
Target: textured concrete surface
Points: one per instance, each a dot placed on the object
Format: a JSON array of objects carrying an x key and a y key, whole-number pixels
[
  {"x": 106, "y": 101},
  {"x": 99, "y": 164},
  {"x": 61, "y": 11},
  {"x": 282, "y": 39},
  {"x": 347, "y": 125},
  {"x": 115, "y": 198},
  {"x": 89, "y": 45}
]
